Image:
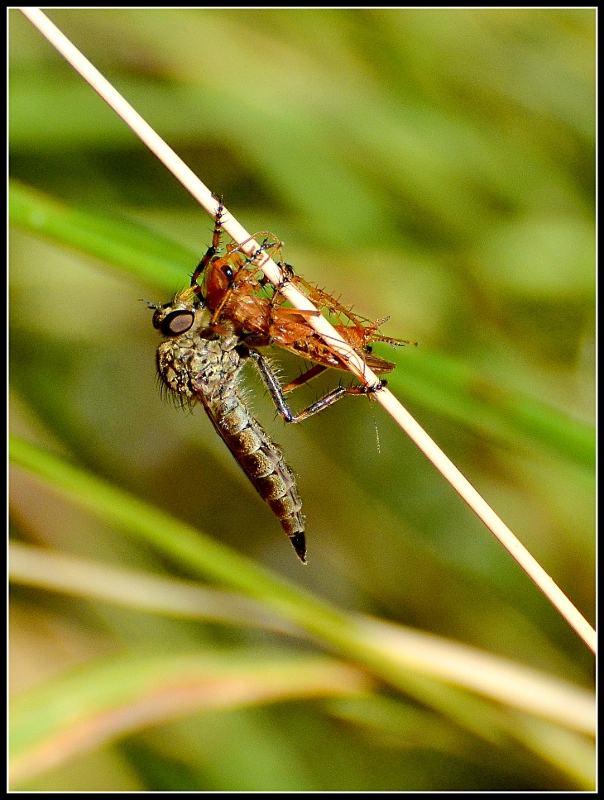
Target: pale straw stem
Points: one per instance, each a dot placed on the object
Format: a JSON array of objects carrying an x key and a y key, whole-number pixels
[{"x": 356, "y": 364}]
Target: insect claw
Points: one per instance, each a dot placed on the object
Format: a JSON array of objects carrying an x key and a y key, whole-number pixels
[
  {"x": 377, "y": 387},
  {"x": 287, "y": 275},
  {"x": 220, "y": 209}
]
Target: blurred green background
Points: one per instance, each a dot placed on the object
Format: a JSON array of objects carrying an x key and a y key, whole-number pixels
[{"x": 436, "y": 166}]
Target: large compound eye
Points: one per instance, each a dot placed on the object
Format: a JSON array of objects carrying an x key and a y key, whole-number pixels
[
  {"x": 228, "y": 273},
  {"x": 177, "y": 322}
]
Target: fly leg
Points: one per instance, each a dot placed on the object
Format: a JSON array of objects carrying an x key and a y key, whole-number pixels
[
  {"x": 276, "y": 392},
  {"x": 214, "y": 248},
  {"x": 271, "y": 245}
]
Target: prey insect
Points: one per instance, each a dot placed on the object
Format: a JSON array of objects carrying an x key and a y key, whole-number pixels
[
  {"x": 214, "y": 328},
  {"x": 236, "y": 290}
]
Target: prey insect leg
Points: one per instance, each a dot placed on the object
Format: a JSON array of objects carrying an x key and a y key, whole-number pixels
[{"x": 306, "y": 377}]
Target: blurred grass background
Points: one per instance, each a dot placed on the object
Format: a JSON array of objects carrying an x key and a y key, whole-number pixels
[{"x": 436, "y": 166}]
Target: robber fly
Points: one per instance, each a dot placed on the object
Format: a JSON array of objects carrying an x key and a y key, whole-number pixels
[
  {"x": 213, "y": 329},
  {"x": 196, "y": 363}
]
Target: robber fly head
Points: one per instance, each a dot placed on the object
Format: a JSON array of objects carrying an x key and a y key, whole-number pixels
[{"x": 175, "y": 318}]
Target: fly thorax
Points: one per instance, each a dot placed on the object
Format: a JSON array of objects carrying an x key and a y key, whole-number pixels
[{"x": 173, "y": 368}]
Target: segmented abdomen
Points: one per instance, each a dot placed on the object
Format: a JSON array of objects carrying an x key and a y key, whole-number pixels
[{"x": 263, "y": 463}]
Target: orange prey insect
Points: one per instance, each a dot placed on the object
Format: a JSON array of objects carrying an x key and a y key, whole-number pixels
[{"x": 236, "y": 290}]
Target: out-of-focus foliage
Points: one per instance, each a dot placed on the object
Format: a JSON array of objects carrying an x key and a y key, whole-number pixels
[{"x": 433, "y": 165}]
